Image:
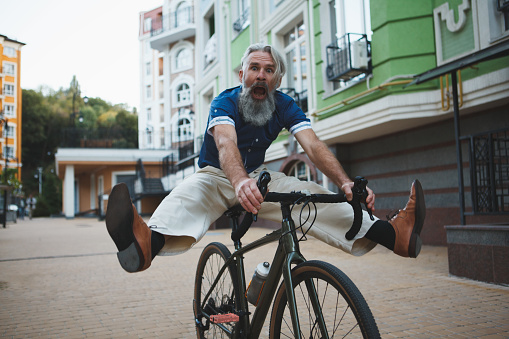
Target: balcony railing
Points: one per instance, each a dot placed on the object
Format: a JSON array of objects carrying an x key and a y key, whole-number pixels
[
  {"x": 242, "y": 22},
  {"x": 301, "y": 98},
  {"x": 348, "y": 57},
  {"x": 489, "y": 171},
  {"x": 75, "y": 137},
  {"x": 172, "y": 21}
]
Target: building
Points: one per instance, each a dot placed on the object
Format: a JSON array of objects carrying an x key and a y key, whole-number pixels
[
  {"x": 415, "y": 91},
  {"x": 10, "y": 103},
  {"x": 165, "y": 123},
  {"x": 167, "y": 35},
  {"x": 352, "y": 73}
]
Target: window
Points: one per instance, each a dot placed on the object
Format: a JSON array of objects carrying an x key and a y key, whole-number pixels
[
  {"x": 184, "y": 59},
  {"x": 183, "y": 94},
  {"x": 183, "y": 14},
  {"x": 184, "y": 130},
  {"x": 8, "y": 89},
  {"x": 9, "y": 110},
  {"x": 8, "y": 152},
  {"x": 301, "y": 171},
  {"x": 149, "y": 136},
  {"x": 295, "y": 51},
  {"x": 161, "y": 113},
  {"x": 161, "y": 66},
  {"x": 149, "y": 114},
  {"x": 242, "y": 15},
  {"x": 149, "y": 92},
  {"x": 148, "y": 68},
  {"x": 161, "y": 136},
  {"x": 147, "y": 24},
  {"x": 349, "y": 16},
  {"x": 9, "y": 133},
  {"x": 8, "y": 68},
  {"x": 10, "y": 52}
]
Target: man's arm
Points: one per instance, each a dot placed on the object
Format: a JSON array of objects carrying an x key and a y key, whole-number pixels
[
  {"x": 230, "y": 160},
  {"x": 326, "y": 162}
]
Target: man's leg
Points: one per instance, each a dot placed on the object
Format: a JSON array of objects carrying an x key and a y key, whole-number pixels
[
  {"x": 402, "y": 232},
  {"x": 136, "y": 243}
]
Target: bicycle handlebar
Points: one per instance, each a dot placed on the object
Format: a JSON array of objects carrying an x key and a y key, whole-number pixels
[{"x": 359, "y": 196}]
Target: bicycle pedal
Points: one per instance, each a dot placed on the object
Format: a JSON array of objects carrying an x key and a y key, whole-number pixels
[{"x": 224, "y": 318}]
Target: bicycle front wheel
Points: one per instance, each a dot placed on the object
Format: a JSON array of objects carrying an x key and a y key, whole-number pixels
[
  {"x": 223, "y": 297},
  {"x": 345, "y": 312}
]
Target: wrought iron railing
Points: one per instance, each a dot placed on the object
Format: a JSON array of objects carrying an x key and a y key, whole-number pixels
[
  {"x": 76, "y": 137},
  {"x": 301, "y": 98},
  {"x": 241, "y": 23},
  {"x": 348, "y": 57},
  {"x": 489, "y": 171},
  {"x": 172, "y": 21}
]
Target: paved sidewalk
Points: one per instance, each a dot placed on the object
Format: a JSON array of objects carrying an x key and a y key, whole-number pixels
[{"x": 61, "y": 279}]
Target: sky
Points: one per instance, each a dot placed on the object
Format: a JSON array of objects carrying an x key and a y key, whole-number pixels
[{"x": 96, "y": 40}]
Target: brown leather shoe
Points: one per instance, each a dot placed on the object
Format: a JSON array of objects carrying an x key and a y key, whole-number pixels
[
  {"x": 128, "y": 230},
  {"x": 408, "y": 223}
]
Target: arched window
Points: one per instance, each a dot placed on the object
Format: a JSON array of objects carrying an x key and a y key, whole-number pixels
[
  {"x": 300, "y": 170},
  {"x": 183, "y": 94},
  {"x": 184, "y": 59},
  {"x": 183, "y": 127},
  {"x": 183, "y": 14}
]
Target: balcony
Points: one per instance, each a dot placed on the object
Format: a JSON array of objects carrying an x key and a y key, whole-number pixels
[
  {"x": 242, "y": 22},
  {"x": 348, "y": 57},
  {"x": 301, "y": 98},
  {"x": 172, "y": 27}
]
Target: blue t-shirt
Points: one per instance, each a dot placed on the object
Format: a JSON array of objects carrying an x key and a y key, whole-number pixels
[{"x": 252, "y": 141}]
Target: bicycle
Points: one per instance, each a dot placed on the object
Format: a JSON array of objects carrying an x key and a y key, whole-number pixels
[{"x": 323, "y": 303}]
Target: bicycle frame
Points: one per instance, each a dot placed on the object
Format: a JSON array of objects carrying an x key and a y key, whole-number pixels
[{"x": 287, "y": 254}]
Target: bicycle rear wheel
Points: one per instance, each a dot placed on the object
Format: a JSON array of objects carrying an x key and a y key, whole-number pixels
[
  {"x": 223, "y": 298},
  {"x": 345, "y": 312}
]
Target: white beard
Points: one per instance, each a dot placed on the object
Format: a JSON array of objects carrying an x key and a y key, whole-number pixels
[{"x": 256, "y": 112}]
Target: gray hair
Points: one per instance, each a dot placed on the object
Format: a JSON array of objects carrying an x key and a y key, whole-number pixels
[{"x": 276, "y": 57}]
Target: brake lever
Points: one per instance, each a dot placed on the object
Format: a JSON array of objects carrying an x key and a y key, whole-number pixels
[
  {"x": 359, "y": 188},
  {"x": 359, "y": 196},
  {"x": 263, "y": 182}
]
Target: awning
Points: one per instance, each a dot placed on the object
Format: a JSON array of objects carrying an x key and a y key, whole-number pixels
[{"x": 496, "y": 51}]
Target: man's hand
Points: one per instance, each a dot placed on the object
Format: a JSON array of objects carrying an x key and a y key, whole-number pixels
[
  {"x": 249, "y": 195},
  {"x": 370, "y": 200}
]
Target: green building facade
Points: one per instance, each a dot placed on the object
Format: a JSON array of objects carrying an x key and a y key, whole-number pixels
[{"x": 351, "y": 64}]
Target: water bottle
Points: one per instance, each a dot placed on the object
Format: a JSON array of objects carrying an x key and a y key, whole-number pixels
[{"x": 256, "y": 285}]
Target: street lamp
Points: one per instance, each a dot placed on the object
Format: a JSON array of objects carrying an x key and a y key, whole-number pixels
[{"x": 79, "y": 113}]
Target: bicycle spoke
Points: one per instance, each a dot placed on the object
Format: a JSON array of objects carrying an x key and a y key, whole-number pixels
[
  {"x": 330, "y": 301},
  {"x": 221, "y": 298}
]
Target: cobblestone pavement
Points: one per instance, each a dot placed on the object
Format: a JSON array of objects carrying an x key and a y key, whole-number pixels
[{"x": 60, "y": 279}]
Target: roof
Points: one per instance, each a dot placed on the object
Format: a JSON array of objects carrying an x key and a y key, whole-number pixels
[
  {"x": 492, "y": 52},
  {"x": 12, "y": 40},
  {"x": 110, "y": 155}
]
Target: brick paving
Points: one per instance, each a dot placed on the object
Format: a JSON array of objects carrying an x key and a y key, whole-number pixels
[{"x": 60, "y": 279}]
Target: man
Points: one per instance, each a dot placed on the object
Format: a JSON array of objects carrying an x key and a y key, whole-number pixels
[{"x": 242, "y": 124}]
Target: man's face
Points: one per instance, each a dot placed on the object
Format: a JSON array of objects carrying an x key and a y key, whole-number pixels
[{"x": 260, "y": 72}]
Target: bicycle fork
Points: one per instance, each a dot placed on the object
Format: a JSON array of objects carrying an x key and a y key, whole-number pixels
[{"x": 293, "y": 256}]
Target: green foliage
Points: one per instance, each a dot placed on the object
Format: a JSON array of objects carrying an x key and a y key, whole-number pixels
[{"x": 50, "y": 201}]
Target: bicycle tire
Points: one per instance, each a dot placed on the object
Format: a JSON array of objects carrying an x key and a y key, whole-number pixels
[
  {"x": 346, "y": 313},
  {"x": 224, "y": 297}
]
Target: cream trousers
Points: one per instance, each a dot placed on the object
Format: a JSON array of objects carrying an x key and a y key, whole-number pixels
[{"x": 185, "y": 215}]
